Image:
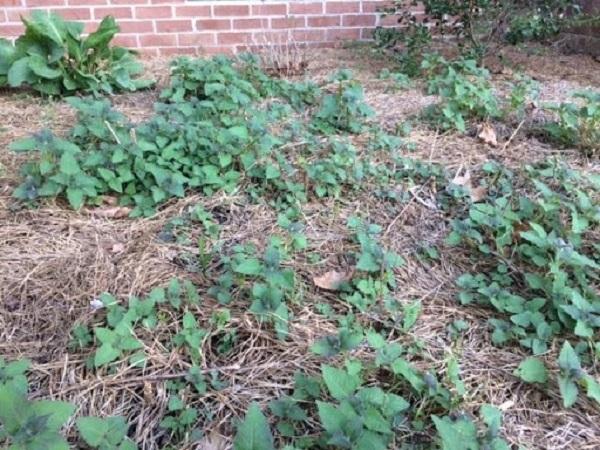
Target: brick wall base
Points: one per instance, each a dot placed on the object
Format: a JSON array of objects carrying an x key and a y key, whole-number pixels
[{"x": 212, "y": 26}]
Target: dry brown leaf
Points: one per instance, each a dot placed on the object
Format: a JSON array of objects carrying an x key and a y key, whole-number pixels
[
  {"x": 462, "y": 180},
  {"x": 213, "y": 441},
  {"x": 488, "y": 135},
  {"x": 110, "y": 200},
  {"x": 119, "y": 247},
  {"x": 332, "y": 280},
  {"x": 478, "y": 193},
  {"x": 115, "y": 212}
]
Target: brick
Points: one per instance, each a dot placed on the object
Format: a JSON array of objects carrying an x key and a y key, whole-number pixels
[
  {"x": 324, "y": 21},
  {"x": 45, "y": 2},
  {"x": 270, "y": 37},
  {"x": 359, "y": 20},
  {"x": 14, "y": 15},
  {"x": 11, "y": 3},
  {"x": 193, "y": 39},
  {"x": 170, "y": 26},
  {"x": 136, "y": 26},
  {"x": 250, "y": 24},
  {"x": 343, "y": 34},
  {"x": 11, "y": 30},
  {"x": 233, "y": 38},
  {"x": 129, "y": 2},
  {"x": 167, "y": 51},
  {"x": 158, "y": 40},
  {"x": 192, "y": 11},
  {"x": 231, "y": 10},
  {"x": 153, "y": 12},
  {"x": 87, "y": 2},
  {"x": 306, "y": 8},
  {"x": 74, "y": 13},
  {"x": 213, "y": 24},
  {"x": 119, "y": 12},
  {"x": 125, "y": 41},
  {"x": 388, "y": 21},
  {"x": 166, "y": 1},
  {"x": 367, "y": 33},
  {"x": 308, "y": 35},
  {"x": 342, "y": 7},
  {"x": 148, "y": 51},
  {"x": 277, "y": 9},
  {"x": 89, "y": 27},
  {"x": 288, "y": 22},
  {"x": 375, "y": 6},
  {"x": 3, "y": 17},
  {"x": 221, "y": 50}
]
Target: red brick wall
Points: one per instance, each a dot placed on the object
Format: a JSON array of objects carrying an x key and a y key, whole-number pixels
[{"x": 211, "y": 26}]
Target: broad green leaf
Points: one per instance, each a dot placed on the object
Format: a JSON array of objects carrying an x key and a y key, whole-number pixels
[
  {"x": 58, "y": 412},
  {"x": 340, "y": 383},
  {"x": 93, "y": 430},
  {"x": 254, "y": 432},
  {"x": 105, "y": 354},
  {"x": 100, "y": 38},
  {"x": 19, "y": 72},
  {"x": 532, "y": 370},
  {"x": 458, "y": 435},
  {"x": 568, "y": 391},
  {"x": 251, "y": 266}
]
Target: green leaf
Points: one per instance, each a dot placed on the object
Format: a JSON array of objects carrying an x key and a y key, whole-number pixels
[
  {"x": 254, "y": 432},
  {"x": 76, "y": 197},
  {"x": 459, "y": 435},
  {"x": 93, "y": 430},
  {"x": 340, "y": 383},
  {"x": 592, "y": 388},
  {"x": 105, "y": 354},
  {"x": 99, "y": 39},
  {"x": 411, "y": 314},
  {"x": 19, "y": 73},
  {"x": 68, "y": 164},
  {"x": 568, "y": 391},
  {"x": 41, "y": 68},
  {"x": 532, "y": 370},
  {"x": 58, "y": 412},
  {"x": 251, "y": 266}
]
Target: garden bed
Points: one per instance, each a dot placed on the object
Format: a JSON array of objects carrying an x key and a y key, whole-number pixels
[{"x": 54, "y": 262}]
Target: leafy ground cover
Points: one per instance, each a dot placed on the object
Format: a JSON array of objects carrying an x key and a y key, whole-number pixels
[{"x": 344, "y": 270}]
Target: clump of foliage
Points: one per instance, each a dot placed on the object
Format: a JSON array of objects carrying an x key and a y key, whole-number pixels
[
  {"x": 345, "y": 109},
  {"x": 213, "y": 132},
  {"x": 479, "y": 25},
  {"x": 544, "y": 20},
  {"x": 465, "y": 89},
  {"x": 541, "y": 263},
  {"x": 53, "y": 58},
  {"x": 578, "y": 125},
  {"x": 409, "y": 44}
]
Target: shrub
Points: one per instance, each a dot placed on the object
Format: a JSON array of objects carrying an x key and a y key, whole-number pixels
[{"x": 53, "y": 58}]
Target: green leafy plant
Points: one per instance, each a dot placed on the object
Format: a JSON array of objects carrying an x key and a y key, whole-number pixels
[
  {"x": 465, "y": 90},
  {"x": 180, "y": 419},
  {"x": 254, "y": 433},
  {"x": 108, "y": 433},
  {"x": 32, "y": 424},
  {"x": 536, "y": 240},
  {"x": 53, "y": 58},
  {"x": 343, "y": 110},
  {"x": 578, "y": 125},
  {"x": 12, "y": 374}
]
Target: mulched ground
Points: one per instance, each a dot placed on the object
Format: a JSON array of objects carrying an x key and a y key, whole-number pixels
[{"x": 54, "y": 261}]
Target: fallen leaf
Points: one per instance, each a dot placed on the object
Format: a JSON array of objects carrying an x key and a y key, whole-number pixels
[
  {"x": 478, "y": 193},
  {"x": 462, "y": 180},
  {"x": 332, "y": 280},
  {"x": 118, "y": 247},
  {"x": 115, "y": 212},
  {"x": 488, "y": 135},
  {"x": 213, "y": 441}
]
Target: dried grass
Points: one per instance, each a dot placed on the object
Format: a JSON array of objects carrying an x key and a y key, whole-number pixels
[{"x": 54, "y": 261}]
